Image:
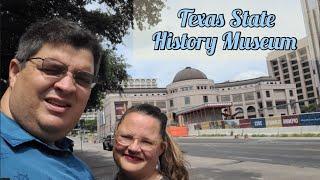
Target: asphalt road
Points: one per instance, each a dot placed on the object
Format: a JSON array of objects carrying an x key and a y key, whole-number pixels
[
  {"x": 292, "y": 152},
  {"x": 228, "y": 159}
]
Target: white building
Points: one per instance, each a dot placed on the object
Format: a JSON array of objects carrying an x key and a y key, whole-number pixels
[
  {"x": 192, "y": 97},
  {"x": 296, "y": 67},
  {"x": 259, "y": 97},
  {"x": 311, "y": 14}
]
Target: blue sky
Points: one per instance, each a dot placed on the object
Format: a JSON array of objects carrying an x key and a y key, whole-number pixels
[{"x": 223, "y": 65}]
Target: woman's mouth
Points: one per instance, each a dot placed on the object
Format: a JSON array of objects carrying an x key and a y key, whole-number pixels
[{"x": 133, "y": 159}]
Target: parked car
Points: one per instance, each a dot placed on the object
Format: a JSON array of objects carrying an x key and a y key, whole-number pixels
[{"x": 107, "y": 142}]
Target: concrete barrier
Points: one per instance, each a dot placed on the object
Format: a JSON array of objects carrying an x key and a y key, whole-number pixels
[{"x": 257, "y": 131}]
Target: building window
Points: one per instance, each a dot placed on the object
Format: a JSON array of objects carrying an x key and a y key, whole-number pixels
[
  {"x": 292, "y": 55},
  {"x": 225, "y": 98},
  {"x": 268, "y": 93},
  {"x": 305, "y": 64},
  {"x": 308, "y": 76},
  {"x": 310, "y": 88},
  {"x": 312, "y": 101},
  {"x": 171, "y": 102},
  {"x": 310, "y": 95},
  {"x": 161, "y": 104},
  {"x": 284, "y": 65},
  {"x": 286, "y": 76},
  {"x": 291, "y": 93},
  {"x": 297, "y": 79},
  {"x": 293, "y": 62},
  {"x": 306, "y": 70},
  {"x": 205, "y": 99},
  {"x": 236, "y": 97},
  {"x": 299, "y": 91},
  {"x": 302, "y": 51},
  {"x": 187, "y": 100},
  {"x": 281, "y": 104},
  {"x": 251, "y": 109},
  {"x": 258, "y": 95},
  {"x": 249, "y": 96},
  {"x": 309, "y": 82},
  {"x": 298, "y": 85},
  {"x": 269, "y": 104},
  {"x": 282, "y": 59}
]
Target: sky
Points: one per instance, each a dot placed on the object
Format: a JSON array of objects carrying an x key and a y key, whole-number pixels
[{"x": 138, "y": 47}]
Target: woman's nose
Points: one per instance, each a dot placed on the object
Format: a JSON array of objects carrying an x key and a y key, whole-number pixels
[{"x": 135, "y": 146}]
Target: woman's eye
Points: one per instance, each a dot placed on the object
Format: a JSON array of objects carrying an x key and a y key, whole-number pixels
[
  {"x": 126, "y": 137},
  {"x": 147, "y": 142}
]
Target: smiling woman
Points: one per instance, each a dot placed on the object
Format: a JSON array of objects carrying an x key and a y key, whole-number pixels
[{"x": 144, "y": 150}]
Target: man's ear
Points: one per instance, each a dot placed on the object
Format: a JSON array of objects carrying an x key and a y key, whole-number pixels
[{"x": 14, "y": 69}]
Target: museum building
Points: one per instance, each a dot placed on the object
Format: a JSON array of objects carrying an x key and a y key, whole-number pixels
[{"x": 192, "y": 97}]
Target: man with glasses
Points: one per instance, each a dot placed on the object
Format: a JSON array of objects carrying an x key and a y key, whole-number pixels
[{"x": 50, "y": 81}]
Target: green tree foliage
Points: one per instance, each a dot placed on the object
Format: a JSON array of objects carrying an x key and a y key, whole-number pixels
[
  {"x": 310, "y": 108},
  {"x": 111, "y": 73},
  {"x": 91, "y": 125},
  {"x": 110, "y": 23}
]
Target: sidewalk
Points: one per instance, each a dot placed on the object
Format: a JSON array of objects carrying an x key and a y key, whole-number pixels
[
  {"x": 201, "y": 168},
  {"x": 242, "y": 137}
]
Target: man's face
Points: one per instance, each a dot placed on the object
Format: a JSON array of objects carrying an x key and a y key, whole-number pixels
[{"x": 47, "y": 107}]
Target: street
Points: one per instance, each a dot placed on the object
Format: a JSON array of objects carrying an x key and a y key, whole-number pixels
[
  {"x": 300, "y": 153},
  {"x": 226, "y": 158}
]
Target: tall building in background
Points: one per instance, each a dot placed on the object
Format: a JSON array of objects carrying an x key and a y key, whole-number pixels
[
  {"x": 139, "y": 83},
  {"x": 311, "y": 14},
  {"x": 302, "y": 66},
  {"x": 295, "y": 67}
]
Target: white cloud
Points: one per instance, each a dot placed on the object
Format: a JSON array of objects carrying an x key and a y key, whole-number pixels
[{"x": 223, "y": 65}]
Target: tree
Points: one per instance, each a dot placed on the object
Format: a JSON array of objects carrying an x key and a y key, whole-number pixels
[
  {"x": 91, "y": 125},
  {"x": 310, "y": 108},
  {"x": 110, "y": 25}
]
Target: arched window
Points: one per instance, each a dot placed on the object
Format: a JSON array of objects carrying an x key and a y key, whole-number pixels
[{"x": 251, "y": 109}]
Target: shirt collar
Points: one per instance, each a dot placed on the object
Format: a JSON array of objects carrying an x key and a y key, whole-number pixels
[{"x": 15, "y": 135}]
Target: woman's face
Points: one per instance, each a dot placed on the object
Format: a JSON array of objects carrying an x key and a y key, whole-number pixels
[{"x": 138, "y": 144}]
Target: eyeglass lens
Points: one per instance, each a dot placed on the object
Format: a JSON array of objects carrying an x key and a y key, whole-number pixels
[
  {"x": 53, "y": 67},
  {"x": 128, "y": 140}
]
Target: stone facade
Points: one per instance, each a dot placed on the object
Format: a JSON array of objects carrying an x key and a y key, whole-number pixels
[{"x": 259, "y": 97}]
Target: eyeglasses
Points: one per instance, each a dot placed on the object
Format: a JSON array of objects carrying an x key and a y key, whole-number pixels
[
  {"x": 127, "y": 140},
  {"x": 57, "y": 69}
]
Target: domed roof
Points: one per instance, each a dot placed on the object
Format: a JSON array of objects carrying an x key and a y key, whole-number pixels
[{"x": 189, "y": 73}]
